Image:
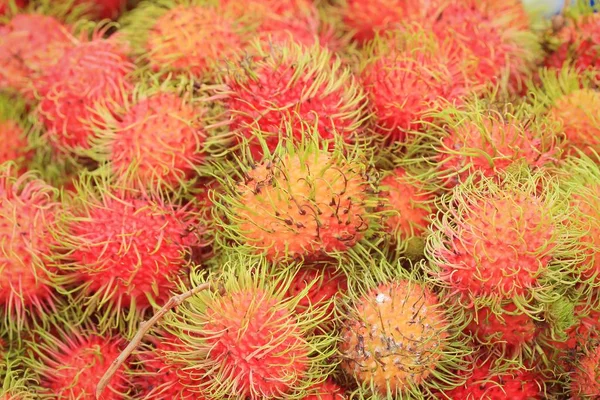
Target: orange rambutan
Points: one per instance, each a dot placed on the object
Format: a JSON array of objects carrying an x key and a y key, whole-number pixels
[
  {"x": 90, "y": 74},
  {"x": 302, "y": 202},
  {"x": 123, "y": 249},
  {"x": 408, "y": 74},
  {"x": 398, "y": 339},
  {"x": 28, "y": 208},
  {"x": 31, "y": 43},
  {"x": 244, "y": 341},
  {"x": 290, "y": 84},
  {"x": 156, "y": 138},
  {"x": 570, "y": 101}
]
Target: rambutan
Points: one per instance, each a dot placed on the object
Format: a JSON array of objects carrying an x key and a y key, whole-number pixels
[
  {"x": 30, "y": 44},
  {"x": 295, "y": 85},
  {"x": 476, "y": 137},
  {"x": 578, "y": 43},
  {"x": 413, "y": 206},
  {"x": 8, "y": 5},
  {"x": 327, "y": 390},
  {"x": 505, "y": 49},
  {"x": 490, "y": 380},
  {"x": 504, "y": 248},
  {"x": 569, "y": 100},
  {"x": 244, "y": 341},
  {"x": 408, "y": 74},
  {"x": 14, "y": 132},
  {"x": 155, "y": 139},
  {"x": 366, "y": 18},
  {"x": 398, "y": 339},
  {"x": 90, "y": 74},
  {"x": 302, "y": 202},
  {"x": 103, "y": 9},
  {"x": 71, "y": 361},
  {"x": 160, "y": 378},
  {"x": 18, "y": 383},
  {"x": 585, "y": 379},
  {"x": 177, "y": 37},
  {"x": 27, "y": 213},
  {"x": 123, "y": 249}
]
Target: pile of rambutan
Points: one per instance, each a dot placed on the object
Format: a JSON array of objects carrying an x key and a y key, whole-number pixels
[{"x": 298, "y": 199}]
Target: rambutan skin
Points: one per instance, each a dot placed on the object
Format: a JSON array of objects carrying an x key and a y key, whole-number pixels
[
  {"x": 585, "y": 379},
  {"x": 579, "y": 44},
  {"x": 169, "y": 156},
  {"x": 394, "y": 338},
  {"x": 486, "y": 383},
  {"x": 327, "y": 390},
  {"x": 305, "y": 204},
  {"x": 192, "y": 39},
  {"x": 15, "y": 146},
  {"x": 31, "y": 43},
  {"x": 28, "y": 209},
  {"x": 296, "y": 85},
  {"x": 125, "y": 247},
  {"x": 90, "y": 75},
  {"x": 507, "y": 326}
]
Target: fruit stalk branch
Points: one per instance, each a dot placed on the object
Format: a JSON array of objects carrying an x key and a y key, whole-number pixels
[{"x": 144, "y": 328}]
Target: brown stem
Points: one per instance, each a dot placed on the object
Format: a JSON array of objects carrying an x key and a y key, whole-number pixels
[{"x": 144, "y": 328}]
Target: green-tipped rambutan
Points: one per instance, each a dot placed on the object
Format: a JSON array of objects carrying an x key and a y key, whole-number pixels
[
  {"x": 245, "y": 341},
  {"x": 496, "y": 34},
  {"x": 14, "y": 132},
  {"x": 31, "y": 43},
  {"x": 569, "y": 100},
  {"x": 302, "y": 201},
  {"x": 18, "y": 383},
  {"x": 578, "y": 40},
  {"x": 184, "y": 37},
  {"x": 399, "y": 339},
  {"x": 155, "y": 138},
  {"x": 484, "y": 138},
  {"x": 91, "y": 73},
  {"x": 290, "y": 84},
  {"x": 70, "y": 362},
  {"x": 28, "y": 208},
  {"x": 408, "y": 74},
  {"x": 124, "y": 250},
  {"x": 327, "y": 390},
  {"x": 490, "y": 378},
  {"x": 365, "y": 18},
  {"x": 506, "y": 250}
]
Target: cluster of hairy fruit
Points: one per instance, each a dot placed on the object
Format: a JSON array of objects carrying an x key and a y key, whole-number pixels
[{"x": 297, "y": 199}]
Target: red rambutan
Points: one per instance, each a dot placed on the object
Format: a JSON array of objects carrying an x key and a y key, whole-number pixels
[
  {"x": 27, "y": 213},
  {"x": 158, "y": 138},
  {"x": 14, "y": 132},
  {"x": 90, "y": 74},
  {"x": 31, "y": 43},
  {"x": 245, "y": 341},
  {"x": 123, "y": 248},
  {"x": 409, "y": 74},
  {"x": 71, "y": 362},
  {"x": 507, "y": 325},
  {"x": 585, "y": 379},
  {"x": 488, "y": 382},
  {"x": 6, "y": 5},
  {"x": 327, "y": 390},
  {"x": 295, "y": 85}
]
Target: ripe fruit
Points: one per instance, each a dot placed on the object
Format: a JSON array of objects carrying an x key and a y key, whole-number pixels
[
  {"x": 491, "y": 381},
  {"x": 71, "y": 362},
  {"x": 14, "y": 132},
  {"x": 303, "y": 202},
  {"x": 476, "y": 138},
  {"x": 27, "y": 213},
  {"x": 399, "y": 340},
  {"x": 585, "y": 379},
  {"x": 89, "y": 75},
  {"x": 30, "y": 44},
  {"x": 122, "y": 248},
  {"x": 327, "y": 390},
  {"x": 502, "y": 324},
  {"x": 155, "y": 139},
  {"x": 569, "y": 100},
  {"x": 407, "y": 75},
  {"x": 184, "y": 39},
  {"x": 504, "y": 49},
  {"x": 285, "y": 87},
  {"x": 245, "y": 341}
]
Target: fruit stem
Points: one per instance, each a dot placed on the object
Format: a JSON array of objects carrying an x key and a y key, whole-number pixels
[{"x": 144, "y": 328}]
